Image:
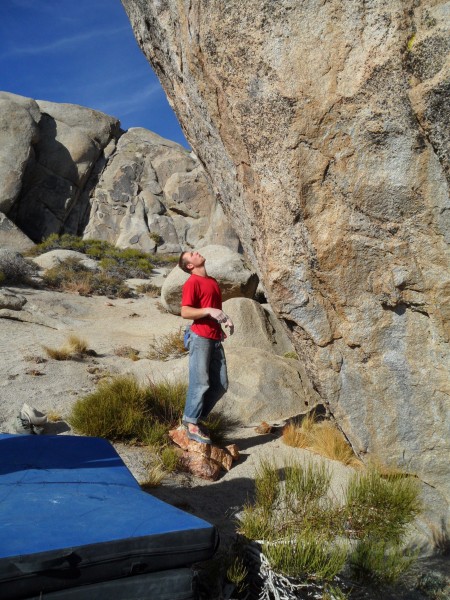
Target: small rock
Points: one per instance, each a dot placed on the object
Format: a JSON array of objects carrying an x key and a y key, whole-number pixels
[
  {"x": 200, "y": 466},
  {"x": 11, "y": 301},
  {"x": 233, "y": 450},
  {"x": 222, "y": 457},
  {"x": 264, "y": 428}
]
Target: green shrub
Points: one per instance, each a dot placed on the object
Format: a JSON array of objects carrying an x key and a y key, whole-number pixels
[
  {"x": 72, "y": 276},
  {"x": 122, "y": 409},
  {"x": 121, "y": 263},
  {"x": 380, "y": 560},
  {"x": 170, "y": 459},
  {"x": 156, "y": 238},
  {"x": 237, "y": 573},
  {"x": 218, "y": 426},
  {"x": 14, "y": 268},
  {"x": 321, "y": 436},
  {"x": 305, "y": 534},
  {"x": 382, "y": 507}
]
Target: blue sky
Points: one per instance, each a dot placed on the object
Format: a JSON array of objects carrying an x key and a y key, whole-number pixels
[{"x": 82, "y": 52}]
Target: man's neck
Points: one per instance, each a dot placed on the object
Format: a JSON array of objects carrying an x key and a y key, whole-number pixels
[{"x": 200, "y": 271}]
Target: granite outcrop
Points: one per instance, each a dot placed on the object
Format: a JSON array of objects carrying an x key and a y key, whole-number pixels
[
  {"x": 323, "y": 127},
  {"x": 70, "y": 169}
]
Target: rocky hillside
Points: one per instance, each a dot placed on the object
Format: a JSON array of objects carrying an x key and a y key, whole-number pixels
[
  {"x": 70, "y": 169},
  {"x": 324, "y": 128}
]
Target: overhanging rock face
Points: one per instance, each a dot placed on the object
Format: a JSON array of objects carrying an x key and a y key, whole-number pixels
[{"x": 323, "y": 128}]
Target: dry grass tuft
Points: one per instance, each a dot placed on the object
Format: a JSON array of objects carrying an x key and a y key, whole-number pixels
[
  {"x": 322, "y": 437},
  {"x": 149, "y": 290},
  {"x": 35, "y": 358},
  {"x": 167, "y": 346},
  {"x": 161, "y": 308},
  {"x": 74, "y": 348},
  {"x": 54, "y": 417},
  {"x": 127, "y": 352},
  {"x": 155, "y": 475}
]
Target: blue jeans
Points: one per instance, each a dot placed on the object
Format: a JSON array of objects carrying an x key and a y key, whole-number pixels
[{"x": 208, "y": 379}]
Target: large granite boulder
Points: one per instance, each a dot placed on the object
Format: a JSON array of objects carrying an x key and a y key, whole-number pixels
[
  {"x": 153, "y": 195},
  {"x": 69, "y": 169},
  {"x": 256, "y": 326},
  {"x": 324, "y": 128},
  {"x": 19, "y": 132},
  {"x": 235, "y": 277},
  {"x": 53, "y": 258},
  {"x": 265, "y": 387},
  {"x": 61, "y": 144}
]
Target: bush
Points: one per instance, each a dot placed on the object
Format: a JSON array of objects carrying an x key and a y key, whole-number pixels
[
  {"x": 303, "y": 534},
  {"x": 382, "y": 507},
  {"x": 14, "y": 268},
  {"x": 71, "y": 276},
  {"x": 117, "y": 262},
  {"x": 122, "y": 409}
]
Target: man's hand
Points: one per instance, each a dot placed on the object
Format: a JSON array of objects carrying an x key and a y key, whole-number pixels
[
  {"x": 222, "y": 318},
  {"x": 217, "y": 314},
  {"x": 229, "y": 323}
]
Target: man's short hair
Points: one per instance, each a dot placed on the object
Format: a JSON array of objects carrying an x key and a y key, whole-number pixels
[{"x": 183, "y": 262}]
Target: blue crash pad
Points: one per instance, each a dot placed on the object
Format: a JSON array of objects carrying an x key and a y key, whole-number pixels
[{"x": 71, "y": 514}]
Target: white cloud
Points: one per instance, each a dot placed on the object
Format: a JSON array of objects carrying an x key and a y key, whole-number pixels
[
  {"x": 64, "y": 42},
  {"x": 127, "y": 104}
]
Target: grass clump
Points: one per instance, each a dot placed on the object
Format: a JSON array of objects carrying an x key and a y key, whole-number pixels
[
  {"x": 306, "y": 535},
  {"x": 121, "y": 409},
  {"x": 168, "y": 346},
  {"x": 170, "y": 459},
  {"x": 237, "y": 573},
  {"x": 114, "y": 267},
  {"x": 127, "y": 352},
  {"x": 149, "y": 289},
  {"x": 74, "y": 348},
  {"x": 14, "y": 268},
  {"x": 72, "y": 276},
  {"x": 119, "y": 262},
  {"x": 322, "y": 437},
  {"x": 155, "y": 475}
]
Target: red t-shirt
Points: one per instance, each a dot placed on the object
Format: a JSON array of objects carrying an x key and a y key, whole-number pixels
[{"x": 203, "y": 292}]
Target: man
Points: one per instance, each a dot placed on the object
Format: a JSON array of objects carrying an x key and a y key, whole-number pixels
[{"x": 202, "y": 302}]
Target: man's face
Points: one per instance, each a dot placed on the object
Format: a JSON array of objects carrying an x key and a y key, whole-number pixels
[{"x": 195, "y": 259}]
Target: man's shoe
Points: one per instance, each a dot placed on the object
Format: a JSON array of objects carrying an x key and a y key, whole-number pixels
[{"x": 197, "y": 435}]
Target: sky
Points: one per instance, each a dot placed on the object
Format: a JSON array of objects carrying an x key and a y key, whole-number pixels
[{"x": 82, "y": 52}]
